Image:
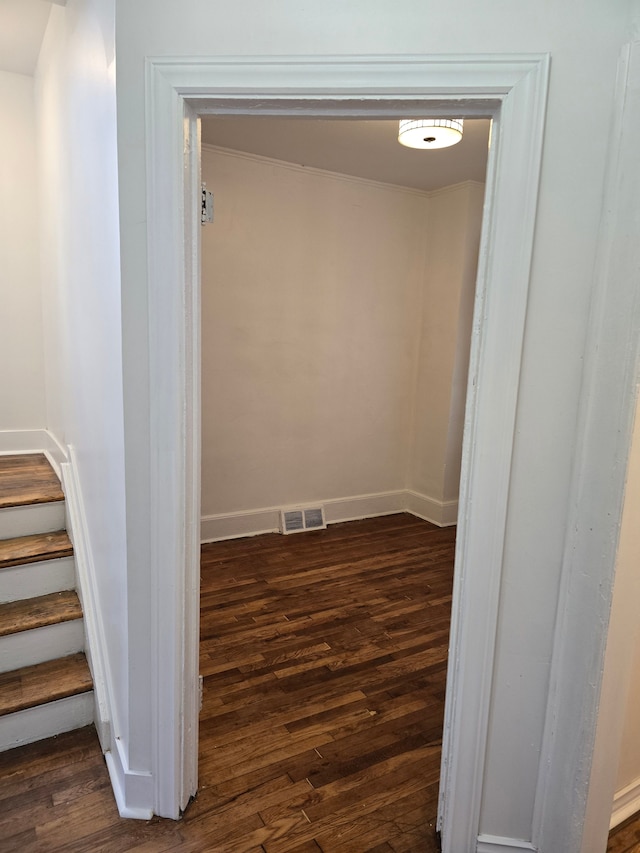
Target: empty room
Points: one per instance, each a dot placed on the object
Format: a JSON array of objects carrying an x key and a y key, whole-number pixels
[{"x": 338, "y": 281}]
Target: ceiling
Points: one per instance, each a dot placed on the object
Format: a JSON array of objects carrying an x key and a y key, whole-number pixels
[
  {"x": 364, "y": 149},
  {"x": 22, "y": 26}
]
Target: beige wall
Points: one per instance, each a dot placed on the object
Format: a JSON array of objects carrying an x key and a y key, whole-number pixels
[
  {"x": 453, "y": 236},
  {"x": 628, "y": 584},
  {"x": 618, "y": 731},
  {"x": 21, "y": 351},
  {"x": 319, "y": 293}
]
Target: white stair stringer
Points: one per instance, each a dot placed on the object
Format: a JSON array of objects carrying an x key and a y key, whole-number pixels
[
  {"x": 31, "y": 519},
  {"x": 38, "y": 645},
  {"x": 95, "y": 642},
  {"x": 30, "y": 580},
  {"x": 47, "y": 720}
]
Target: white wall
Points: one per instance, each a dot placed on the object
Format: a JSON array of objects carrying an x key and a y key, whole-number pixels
[
  {"x": 455, "y": 217},
  {"x": 310, "y": 288},
  {"x": 78, "y": 214},
  {"x": 584, "y": 41},
  {"x": 21, "y": 351}
]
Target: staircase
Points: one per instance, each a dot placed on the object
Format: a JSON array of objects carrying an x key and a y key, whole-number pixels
[{"x": 45, "y": 683}]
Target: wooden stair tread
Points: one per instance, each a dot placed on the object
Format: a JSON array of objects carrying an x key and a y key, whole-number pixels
[
  {"x": 44, "y": 682},
  {"x": 17, "y": 616},
  {"x": 34, "y": 548},
  {"x": 27, "y": 478}
]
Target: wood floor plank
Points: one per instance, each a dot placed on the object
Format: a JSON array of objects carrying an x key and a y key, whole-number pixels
[
  {"x": 44, "y": 682},
  {"x": 625, "y": 838},
  {"x": 51, "y": 609},
  {"x": 325, "y": 662},
  {"x": 31, "y": 549},
  {"x": 27, "y": 478}
]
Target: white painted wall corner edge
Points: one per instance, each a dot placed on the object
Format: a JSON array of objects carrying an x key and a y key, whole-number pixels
[
  {"x": 510, "y": 88},
  {"x": 576, "y": 776}
]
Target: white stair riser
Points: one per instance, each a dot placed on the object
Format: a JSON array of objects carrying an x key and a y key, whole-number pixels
[
  {"x": 30, "y": 580},
  {"x": 41, "y": 644},
  {"x": 34, "y": 518},
  {"x": 43, "y": 721}
]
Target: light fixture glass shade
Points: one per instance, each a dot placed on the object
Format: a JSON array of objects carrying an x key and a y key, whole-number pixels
[{"x": 430, "y": 132}]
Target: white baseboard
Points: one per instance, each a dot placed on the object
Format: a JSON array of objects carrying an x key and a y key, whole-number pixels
[
  {"x": 267, "y": 520},
  {"x": 87, "y": 592},
  {"x": 33, "y": 441},
  {"x": 132, "y": 790},
  {"x": 23, "y": 440},
  {"x": 442, "y": 513},
  {"x": 626, "y": 802},
  {"x": 364, "y": 506},
  {"x": 234, "y": 525},
  {"x": 500, "y": 844}
]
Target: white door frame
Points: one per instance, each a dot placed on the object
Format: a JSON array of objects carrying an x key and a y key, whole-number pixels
[{"x": 511, "y": 89}]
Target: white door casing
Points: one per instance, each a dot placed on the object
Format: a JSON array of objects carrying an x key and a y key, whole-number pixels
[{"x": 510, "y": 89}]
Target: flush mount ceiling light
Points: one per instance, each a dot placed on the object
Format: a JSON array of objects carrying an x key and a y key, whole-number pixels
[{"x": 430, "y": 132}]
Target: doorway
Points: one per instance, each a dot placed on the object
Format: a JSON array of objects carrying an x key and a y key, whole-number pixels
[
  {"x": 512, "y": 92},
  {"x": 336, "y": 320},
  {"x": 336, "y": 323}
]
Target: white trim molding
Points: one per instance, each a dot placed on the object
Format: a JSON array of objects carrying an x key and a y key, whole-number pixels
[
  {"x": 78, "y": 531},
  {"x": 357, "y": 507},
  {"x": 24, "y": 441},
  {"x": 442, "y": 513},
  {"x": 132, "y": 789},
  {"x": 512, "y": 90},
  {"x": 498, "y": 844},
  {"x": 577, "y": 770},
  {"x": 33, "y": 441},
  {"x": 234, "y": 525},
  {"x": 253, "y": 522},
  {"x": 626, "y": 802}
]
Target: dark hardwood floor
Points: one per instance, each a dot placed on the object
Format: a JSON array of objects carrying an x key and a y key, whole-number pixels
[
  {"x": 626, "y": 837},
  {"x": 324, "y": 656}
]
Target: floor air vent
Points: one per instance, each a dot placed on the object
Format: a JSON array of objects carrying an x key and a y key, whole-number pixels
[{"x": 298, "y": 520}]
